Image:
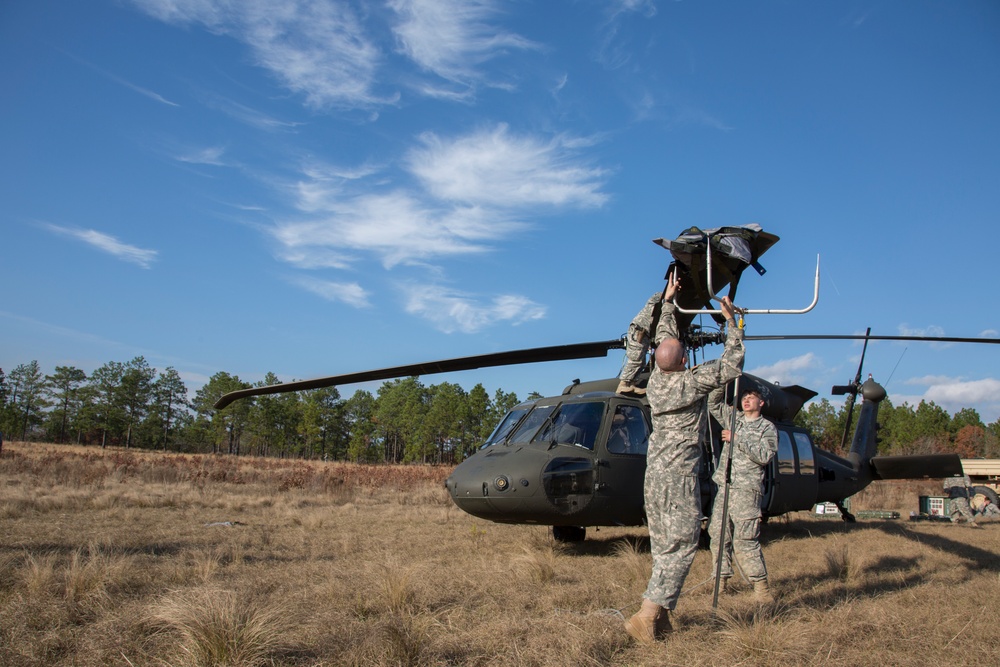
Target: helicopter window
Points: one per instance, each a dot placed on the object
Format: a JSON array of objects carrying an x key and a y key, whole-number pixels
[
  {"x": 504, "y": 428},
  {"x": 629, "y": 433},
  {"x": 786, "y": 455},
  {"x": 531, "y": 424},
  {"x": 575, "y": 424},
  {"x": 807, "y": 465}
]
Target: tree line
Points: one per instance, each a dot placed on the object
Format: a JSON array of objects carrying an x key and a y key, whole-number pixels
[{"x": 131, "y": 404}]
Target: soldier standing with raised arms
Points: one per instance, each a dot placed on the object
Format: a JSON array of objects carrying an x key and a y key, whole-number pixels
[{"x": 673, "y": 502}]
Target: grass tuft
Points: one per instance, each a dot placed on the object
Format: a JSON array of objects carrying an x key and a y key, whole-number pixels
[{"x": 219, "y": 628}]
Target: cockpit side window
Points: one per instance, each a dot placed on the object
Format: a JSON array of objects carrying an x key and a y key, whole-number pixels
[{"x": 629, "y": 432}]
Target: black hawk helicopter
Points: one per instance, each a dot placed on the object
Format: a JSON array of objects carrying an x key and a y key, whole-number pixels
[{"x": 578, "y": 459}]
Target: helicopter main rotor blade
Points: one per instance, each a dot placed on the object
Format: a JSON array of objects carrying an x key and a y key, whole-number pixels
[
  {"x": 513, "y": 357},
  {"x": 929, "y": 339}
]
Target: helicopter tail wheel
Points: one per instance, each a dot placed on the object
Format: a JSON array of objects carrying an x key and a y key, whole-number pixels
[
  {"x": 846, "y": 516},
  {"x": 569, "y": 533}
]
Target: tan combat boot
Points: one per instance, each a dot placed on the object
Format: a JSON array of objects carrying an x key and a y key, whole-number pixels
[
  {"x": 643, "y": 625},
  {"x": 762, "y": 592}
]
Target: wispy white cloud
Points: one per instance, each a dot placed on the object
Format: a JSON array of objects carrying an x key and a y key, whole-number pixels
[
  {"x": 930, "y": 330},
  {"x": 953, "y": 394},
  {"x": 315, "y": 48},
  {"x": 395, "y": 226},
  {"x": 474, "y": 187},
  {"x": 350, "y": 293},
  {"x": 211, "y": 155},
  {"x": 787, "y": 371},
  {"x": 451, "y": 311},
  {"x": 107, "y": 243},
  {"x": 248, "y": 115},
  {"x": 497, "y": 168},
  {"x": 156, "y": 97},
  {"x": 451, "y": 37}
]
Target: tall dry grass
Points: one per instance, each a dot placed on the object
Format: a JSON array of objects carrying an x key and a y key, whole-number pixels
[{"x": 134, "y": 558}]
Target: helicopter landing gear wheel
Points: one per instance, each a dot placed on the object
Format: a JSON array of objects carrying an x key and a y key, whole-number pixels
[{"x": 569, "y": 533}]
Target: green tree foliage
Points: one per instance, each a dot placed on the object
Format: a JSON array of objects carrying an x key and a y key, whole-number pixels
[
  {"x": 323, "y": 426},
  {"x": 63, "y": 387},
  {"x": 136, "y": 389},
  {"x": 224, "y": 427},
  {"x": 129, "y": 404},
  {"x": 27, "y": 401},
  {"x": 169, "y": 405},
  {"x": 399, "y": 414},
  {"x": 361, "y": 417},
  {"x": 106, "y": 411}
]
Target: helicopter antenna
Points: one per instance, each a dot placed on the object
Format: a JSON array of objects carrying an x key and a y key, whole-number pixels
[
  {"x": 852, "y": 389},
  {"x": 886, "y": 385}
]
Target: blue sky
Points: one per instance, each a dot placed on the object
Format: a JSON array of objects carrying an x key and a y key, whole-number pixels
[{"x": 320, "y": 187}]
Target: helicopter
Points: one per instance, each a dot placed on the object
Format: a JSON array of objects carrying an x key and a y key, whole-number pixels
[{"x": 578, "y": 460}]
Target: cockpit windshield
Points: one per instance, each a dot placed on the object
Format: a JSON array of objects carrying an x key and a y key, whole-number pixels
[
  {"x": 531, "y": 424},
  {"x": 566, "y": 424},
  {"x": 505, "y": 426},
  {"x": 574, "y": 424}
]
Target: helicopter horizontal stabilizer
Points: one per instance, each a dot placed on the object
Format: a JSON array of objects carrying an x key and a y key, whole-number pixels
[{"x": 917, "y": 466}]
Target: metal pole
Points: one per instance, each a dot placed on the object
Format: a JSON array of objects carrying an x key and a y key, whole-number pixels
[{"x": 725, "y": 495}]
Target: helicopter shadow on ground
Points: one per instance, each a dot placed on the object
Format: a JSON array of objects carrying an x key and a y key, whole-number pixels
[
  {"x": 900, "y": 572},
  {"x": 776, "y": 531}
]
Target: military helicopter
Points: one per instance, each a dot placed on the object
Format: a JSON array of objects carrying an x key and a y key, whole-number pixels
[{"x": 578, "y": 459}]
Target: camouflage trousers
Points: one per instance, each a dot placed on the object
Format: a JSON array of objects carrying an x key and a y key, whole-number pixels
[
  {"x": 742, "y": 534},
  {"x": 673, "y": 510},
  {"x": 960, "y": 510}
]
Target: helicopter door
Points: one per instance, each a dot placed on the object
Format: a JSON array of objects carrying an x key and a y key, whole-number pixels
[{"x": 622, "y": 476}]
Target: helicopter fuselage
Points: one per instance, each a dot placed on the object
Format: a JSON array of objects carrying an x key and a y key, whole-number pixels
[{"x": 579, "y": 459}]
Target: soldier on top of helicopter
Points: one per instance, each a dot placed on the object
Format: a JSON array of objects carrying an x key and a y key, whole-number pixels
[{"x": 641, "y": 333}]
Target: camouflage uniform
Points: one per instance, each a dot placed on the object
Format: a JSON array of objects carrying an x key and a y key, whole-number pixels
[
  {"x": 957, "y": 489},
  {"x": 673, "y": 501},
  {"x": 754, "y": 443},
  {"x": 637, "y": 341}
]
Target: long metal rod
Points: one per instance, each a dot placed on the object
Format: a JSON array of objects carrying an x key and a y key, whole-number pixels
[
  {"x": 758, "y": 311},
  {"x": 725, "y": 495}
]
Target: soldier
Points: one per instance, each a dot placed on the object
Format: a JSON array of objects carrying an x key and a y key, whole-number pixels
[
  {"x": 671, "y": 490},
  {"x": 755, "y": 443},
  {"x": 957, "y": 488},
  {"x": 640, "y": 331}
]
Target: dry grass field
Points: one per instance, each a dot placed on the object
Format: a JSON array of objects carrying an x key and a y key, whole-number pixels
[{"x": 134, "y": 558}]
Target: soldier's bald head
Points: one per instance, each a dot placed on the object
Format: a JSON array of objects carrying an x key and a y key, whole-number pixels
[{"x": 670, "y": 355}]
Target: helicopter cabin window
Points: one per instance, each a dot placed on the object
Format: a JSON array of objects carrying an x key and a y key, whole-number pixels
[
  {"x": 786, "y": 455},
  {"x": 807, "y": 464},
  {"x": 629, "y": 432},
  {"x": 574, "y": 424},
  {"x": 505, "y": 427}
]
